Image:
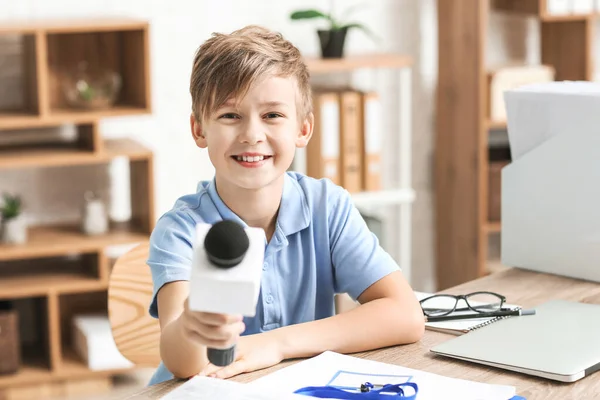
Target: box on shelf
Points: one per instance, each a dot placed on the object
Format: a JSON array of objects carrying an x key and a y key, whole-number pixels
[
  {"x": 506, "y": 77},
  {"x": 94, "y": 343},
  {"x": 10, "y": 354}
]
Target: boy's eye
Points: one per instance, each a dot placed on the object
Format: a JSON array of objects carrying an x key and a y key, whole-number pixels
[
  {"x": 272, "y": 115},
  {"x": 229, "y": 116}
]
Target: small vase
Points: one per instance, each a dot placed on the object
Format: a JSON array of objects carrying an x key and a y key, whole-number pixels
[
  {"x": 95, "y": 219},
  {"x": 332, "y": 42},
  {"x": 14, "y": 230}
]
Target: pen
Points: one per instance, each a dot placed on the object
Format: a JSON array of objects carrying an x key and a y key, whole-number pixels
[{"x": 509, "y": 313}]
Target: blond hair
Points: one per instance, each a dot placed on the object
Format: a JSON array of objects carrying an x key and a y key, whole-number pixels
[{"x": 228, "y": 65}]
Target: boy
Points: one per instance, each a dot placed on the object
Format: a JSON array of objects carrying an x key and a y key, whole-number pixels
[{"x": 251, "y": 102}]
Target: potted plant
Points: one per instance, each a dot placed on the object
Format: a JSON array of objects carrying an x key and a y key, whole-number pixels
[
  {"x": 333, "y": 38},
  {"x": 14, "y": 226}
]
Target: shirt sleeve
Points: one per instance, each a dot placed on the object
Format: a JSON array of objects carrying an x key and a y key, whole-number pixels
[
  {"x": 171, "y": 249},
  {"x": 357, "y": 257}
]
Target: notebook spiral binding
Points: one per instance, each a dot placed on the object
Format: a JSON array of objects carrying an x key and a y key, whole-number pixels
[{"x": 491, "y": 321}]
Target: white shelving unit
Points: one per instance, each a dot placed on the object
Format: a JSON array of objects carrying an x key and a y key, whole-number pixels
[{"x": 403, "y": 195}]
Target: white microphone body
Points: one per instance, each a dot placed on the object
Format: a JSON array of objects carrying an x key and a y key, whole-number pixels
[{"x": 232, "y": 290}]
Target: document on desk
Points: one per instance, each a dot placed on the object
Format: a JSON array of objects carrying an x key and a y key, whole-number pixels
[
  {"x": 348, "y": 372},
  {"x": 204, "y": 388}
]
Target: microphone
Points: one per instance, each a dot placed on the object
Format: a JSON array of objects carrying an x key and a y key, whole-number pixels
[{"x": 226, "y": 271}]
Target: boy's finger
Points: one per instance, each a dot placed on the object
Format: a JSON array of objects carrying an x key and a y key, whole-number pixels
[
  {"x": 208, "y": 342},
  {"x": 234, "y": 369},
  {"x": 217, "y": 319},
  {"x": 209, "y": 370},
  {"x": 224, "y": 333}
]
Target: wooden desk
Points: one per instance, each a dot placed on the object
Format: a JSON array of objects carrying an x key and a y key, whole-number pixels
[{"x": 525, "y": 288}]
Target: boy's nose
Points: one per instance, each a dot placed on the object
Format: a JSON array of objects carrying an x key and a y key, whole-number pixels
[{"x": 252, "y": 133}]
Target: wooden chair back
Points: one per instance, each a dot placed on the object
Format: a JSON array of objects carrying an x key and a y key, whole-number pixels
[{"x": 136, "y": 333}]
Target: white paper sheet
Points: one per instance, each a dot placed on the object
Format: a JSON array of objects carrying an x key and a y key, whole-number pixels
[
  {"x": 332, "y": 368},
  {"x": 204, "y": 388}
]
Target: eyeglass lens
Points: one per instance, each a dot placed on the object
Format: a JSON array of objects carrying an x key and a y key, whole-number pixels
[{"x": 484, "y": 302}]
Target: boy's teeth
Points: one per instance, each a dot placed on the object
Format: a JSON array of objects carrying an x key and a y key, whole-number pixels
[{"x": 250, "y": 158}]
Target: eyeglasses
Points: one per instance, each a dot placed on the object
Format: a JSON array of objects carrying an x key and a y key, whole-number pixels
[{"x": 440, "y": 305}]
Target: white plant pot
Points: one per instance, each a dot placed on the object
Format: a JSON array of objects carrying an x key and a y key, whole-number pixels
[{"x": 14, "y": 230}]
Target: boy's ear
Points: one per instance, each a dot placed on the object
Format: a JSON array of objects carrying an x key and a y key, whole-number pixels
[
  {"x": 306, "y": 131},
  {"x": 197, "y": 132}
]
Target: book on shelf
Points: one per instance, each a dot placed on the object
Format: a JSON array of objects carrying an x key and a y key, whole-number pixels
[
  {"x": 347, "y": 138},
  {"x": 323, "y": 150},
  {"x": 351, "y": 132},
  {"x": 373, "y": 141}
]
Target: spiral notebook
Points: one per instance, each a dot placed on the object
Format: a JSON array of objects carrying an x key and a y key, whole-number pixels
[{"x": 461, "y": 326}]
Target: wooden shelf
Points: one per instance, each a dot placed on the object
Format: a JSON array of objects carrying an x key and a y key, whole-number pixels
[
  {"x": 63, "y": 155},
  {"x": 493, "y": 227},
  {"x": 567, "y": 17},
  {"x": 71, "y": 25},
  {"x": 353, "y": 62},
  {"x": 538, "y": 9},
  {"x": 50, "y": 241},
  {"x": 493, "y": 125},
  {"x": 59, "y": 266},
  {"x": 384, "y": 197},
  {"x": 73, "y": 367},
  {"x": 42, "y": 284},
  {"x": 59, "y": 116},
  {"x": 31, "y": 371}
]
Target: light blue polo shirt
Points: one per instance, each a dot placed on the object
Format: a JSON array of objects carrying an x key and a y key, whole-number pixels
[{"x": 321, "y": 246}]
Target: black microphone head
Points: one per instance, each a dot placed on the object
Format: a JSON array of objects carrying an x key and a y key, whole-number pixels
[{"x": 226, "y": 243}]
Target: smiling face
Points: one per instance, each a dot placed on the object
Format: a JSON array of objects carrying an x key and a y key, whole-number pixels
[{"x": 251, "y": 141}]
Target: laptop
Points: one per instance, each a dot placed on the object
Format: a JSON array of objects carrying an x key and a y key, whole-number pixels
[{"x": 560, "y": 342}]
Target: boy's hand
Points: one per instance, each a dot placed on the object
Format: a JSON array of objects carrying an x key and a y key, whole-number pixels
[
  {"x": 218, "y": 331},
  {"x": 254, "y": 352}
]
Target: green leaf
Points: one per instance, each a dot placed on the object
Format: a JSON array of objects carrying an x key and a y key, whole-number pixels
[
  {"x": 363, "y": 28},
  {"x": 308, "y": 14},
  {"x": 11, "y": 207}
]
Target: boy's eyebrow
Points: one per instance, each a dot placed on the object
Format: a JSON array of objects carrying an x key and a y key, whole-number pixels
[{"x": 273, "y": 103}]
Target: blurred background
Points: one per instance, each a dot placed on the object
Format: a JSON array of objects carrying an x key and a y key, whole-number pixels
[{"x": 95, "y": 145}]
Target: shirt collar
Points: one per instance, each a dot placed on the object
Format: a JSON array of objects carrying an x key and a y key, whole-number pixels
[{"x": 293, "y": 211}]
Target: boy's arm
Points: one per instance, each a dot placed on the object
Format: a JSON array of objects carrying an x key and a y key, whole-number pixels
[
  {"x": 182, "y": 357},
  {"x": 169, "y": 260},
  {"x": 389, "y": 315}
]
